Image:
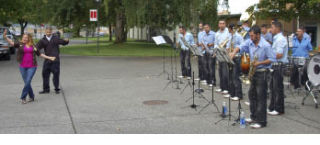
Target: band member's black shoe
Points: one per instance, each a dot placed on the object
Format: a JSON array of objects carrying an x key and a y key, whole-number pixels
[
  {"x": 23, "y": 101},
  {"x": 57, "y": 91},
  {"x": 44, "y": 92},
  {"x": 31, "y": 100}
]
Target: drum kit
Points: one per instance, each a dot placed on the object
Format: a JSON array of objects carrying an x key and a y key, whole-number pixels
[
  {"x": 313, "y": 83},
  {"x": 312, "y": 65}
]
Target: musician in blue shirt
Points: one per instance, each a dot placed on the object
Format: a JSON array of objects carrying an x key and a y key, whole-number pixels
[
  {"x": 208, "y": 62},
  {"x": 245, "y": 27},
  {"x": 201, "y": 58},
  {"x": 235, "y": 85},
  {"x": 185, "y": 52},
  {"x": 280, "y": 49},
  {"x": 300, "y": 50},
  {"x": 221, "y": 36},
  {"x": 260, "y": 50},
  {"x": 265, "y": 34}
]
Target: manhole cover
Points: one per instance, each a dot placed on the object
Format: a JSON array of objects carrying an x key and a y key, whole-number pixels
[{"x": 155, "y": 102}]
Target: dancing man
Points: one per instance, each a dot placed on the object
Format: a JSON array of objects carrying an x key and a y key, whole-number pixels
[{"x": 50, "y": 43}]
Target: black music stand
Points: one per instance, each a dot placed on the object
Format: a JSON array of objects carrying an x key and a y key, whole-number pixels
[
  {"x": 159, "y": 40},
  {"x": 222, "y": 56},
  {"x": 163, "y": 39}
]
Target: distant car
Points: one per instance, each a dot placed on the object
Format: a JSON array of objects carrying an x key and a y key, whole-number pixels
[
  {"x": 4, "y": 49},
  {"x": 10, "y": 36}
]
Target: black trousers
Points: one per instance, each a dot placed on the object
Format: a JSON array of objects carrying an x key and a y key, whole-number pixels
[
  {"x": 258, "y": 98},
  {"x": 277, "y": 90},
  {"x": 235, "y": 85},
  {"x": 185, "y": 63},
  {"x": 201, "y": 67},
  {"x": 224, "y": 75},
  {"x": 294, "y": 79},
  {"x": 48, "y": 68},
  {"x": 209, "y": 68}
]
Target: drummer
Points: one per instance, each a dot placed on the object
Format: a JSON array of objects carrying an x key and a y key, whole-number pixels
[{"x": 301, "y": 47}]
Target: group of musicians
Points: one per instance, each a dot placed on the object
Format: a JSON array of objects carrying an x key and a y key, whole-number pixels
[{"x": 268, "y": 52}]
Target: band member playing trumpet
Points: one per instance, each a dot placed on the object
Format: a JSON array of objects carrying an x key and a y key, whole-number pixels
[
  {"x": 209, "y": 62},
  {"x": 261, "y": 57},
  {"x": 301, "y": 48},
  {"x": 245, "y": 27},
  {"x": 222, "y": 35},
  {"x": 235, "y": 85},
  {"x": 185, "y": 52},
  {"x": 280, "y": 49}
]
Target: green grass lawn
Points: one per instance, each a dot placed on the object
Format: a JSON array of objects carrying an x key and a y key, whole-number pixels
[{"x": 109, "y": 49}]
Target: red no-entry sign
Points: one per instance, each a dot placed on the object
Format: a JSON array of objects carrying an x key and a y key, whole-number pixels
[{"x": 93, "y": 15}]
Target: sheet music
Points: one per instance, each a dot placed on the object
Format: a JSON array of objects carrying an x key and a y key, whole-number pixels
[
  {"x": 192, "y": 48},
  {"x": 159, "y": 40}
]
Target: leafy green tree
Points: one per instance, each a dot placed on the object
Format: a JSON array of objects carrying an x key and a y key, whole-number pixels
[{"x": 288, "y": 9}]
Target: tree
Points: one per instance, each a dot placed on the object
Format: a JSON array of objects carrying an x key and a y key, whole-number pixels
[
  {"x": 155, "y": 14},
  {"x": 287, "y": 9},
  {"x": 19, "y": 11}
]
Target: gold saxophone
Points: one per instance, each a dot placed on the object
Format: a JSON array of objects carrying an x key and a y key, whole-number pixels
[
  {"x": 223, "y": 44},
  {"x": 253, "y": 68}
]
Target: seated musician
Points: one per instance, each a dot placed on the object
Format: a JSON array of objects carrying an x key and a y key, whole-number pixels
[{"x": 301, "y": 48}]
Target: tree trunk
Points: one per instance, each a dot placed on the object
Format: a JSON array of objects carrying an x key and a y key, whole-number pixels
[
  {"x": 120, "y": 29},
  {"x": 110, "y": 32},
  {"x": 23, "y": 24}
]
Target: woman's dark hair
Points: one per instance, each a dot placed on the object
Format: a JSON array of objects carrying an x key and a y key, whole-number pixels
[{"x": 255, "y": 29}]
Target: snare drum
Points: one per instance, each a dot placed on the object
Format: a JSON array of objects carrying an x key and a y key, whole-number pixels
[{"x": 300, "y": 61}]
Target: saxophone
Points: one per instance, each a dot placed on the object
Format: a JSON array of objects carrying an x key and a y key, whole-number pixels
[
  {"x": 253, "y": 68},
  {"x": 222, "y": 53}
]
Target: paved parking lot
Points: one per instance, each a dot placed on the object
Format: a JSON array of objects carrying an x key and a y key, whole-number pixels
[{"x": 107, "y": 95}]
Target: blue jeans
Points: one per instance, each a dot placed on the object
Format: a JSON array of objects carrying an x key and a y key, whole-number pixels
[{"x": 27, "y": 75}]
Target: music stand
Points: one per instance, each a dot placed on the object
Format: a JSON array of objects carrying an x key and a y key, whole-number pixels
[
  {"x": 194, "y": 50},
  {"x": 159, "y": 40},
  {"x": 163, "y": 39},
  {"x": 222, "y": 56}
]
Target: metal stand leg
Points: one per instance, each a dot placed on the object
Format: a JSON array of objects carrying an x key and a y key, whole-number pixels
[{"x": 310, "y": 89}]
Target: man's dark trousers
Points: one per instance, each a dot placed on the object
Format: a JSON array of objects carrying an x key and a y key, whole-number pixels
[{"x": 48, "y": 68}]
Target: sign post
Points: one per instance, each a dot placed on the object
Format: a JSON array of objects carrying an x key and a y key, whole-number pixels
[{"x": 94, "y": 18}]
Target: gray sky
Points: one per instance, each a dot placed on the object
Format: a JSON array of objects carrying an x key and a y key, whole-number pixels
[{"x": 238, "y": 6}]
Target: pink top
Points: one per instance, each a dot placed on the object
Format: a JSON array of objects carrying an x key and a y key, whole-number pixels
[{"x": 27, "y": 60}]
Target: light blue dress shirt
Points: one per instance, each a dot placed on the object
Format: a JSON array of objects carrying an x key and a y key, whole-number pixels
[
  {"x": 307, "y": 36},
  {"x": 189, "y": 38},
  {"x": 209, "y": 38},
  {"x": 247, "y": 36},
  {"x": 200, "y": 37},
  {"x": 237, "y": 40},
  {"x": 221, "y": 36},
  {"x": 262, "y": 51},
  {"x": 301, "y": 48},
  {"x": 267, "y": 36},
  {"x": 280, "y": 46}
]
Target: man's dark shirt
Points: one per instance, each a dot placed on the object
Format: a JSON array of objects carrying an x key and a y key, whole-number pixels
[{"x": 51, "y": 48}]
